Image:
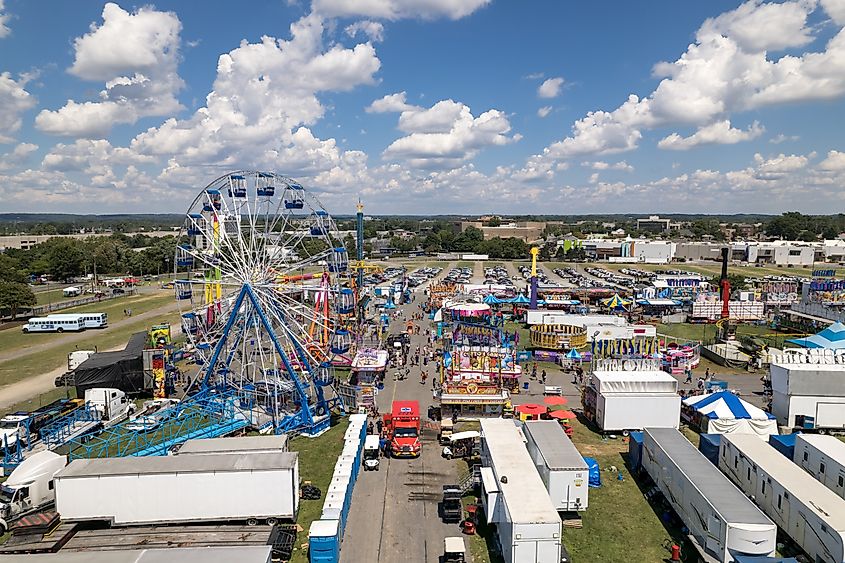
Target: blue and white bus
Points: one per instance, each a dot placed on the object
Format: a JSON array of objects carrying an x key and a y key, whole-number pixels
[
  {"x": 47, "y": 324},
  {"x": 89, "y": 320}
]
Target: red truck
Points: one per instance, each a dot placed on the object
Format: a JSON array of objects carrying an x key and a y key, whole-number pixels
[{"x": 402, "y": 426}]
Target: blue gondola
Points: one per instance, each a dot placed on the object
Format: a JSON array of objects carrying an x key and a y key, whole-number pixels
[
  {"x": 294, "y": 196},
  {"x": 341, "y": 341},
  {"x": 345, "y": 301},
  {"x": 265, "y": 185},
  {"x": 324, "y": 374},
  {"x": 184, "y": 258},
  {"x": 237, "y": 186},
  {"x": 320, "y": 223},
  {"x": 194, "y": 224},
  {"x": 213, "y": 201},
  {"x": 190, "y": 323},
  {"x": 183, "y": 290},
  {"x": 338, "y": 261}
]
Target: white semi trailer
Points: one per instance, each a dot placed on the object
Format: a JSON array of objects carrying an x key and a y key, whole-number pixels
[
  {"x": 722, "y": 521},
  {"x": 180, "y": 489},
  {"x": 562, "y": 469},
  {"x": 809, "y": 513},
  {"x": 823, "y": 457},
  {"x": 236, "y": 445}
]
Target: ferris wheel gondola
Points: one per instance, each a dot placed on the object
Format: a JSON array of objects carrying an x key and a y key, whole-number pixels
[{"x": 265, "y": 287}]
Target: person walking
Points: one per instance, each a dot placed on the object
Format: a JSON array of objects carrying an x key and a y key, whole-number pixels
[
  {"x": 688, "y": 371},
  {"x": 543, "y": 377}
]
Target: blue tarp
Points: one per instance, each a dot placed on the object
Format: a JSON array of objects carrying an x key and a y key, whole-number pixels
[
  {"x": 635, "y": 451},
  {"x": 595, "y": 472},
  {"x": 831, "y": 338},
  {"x": 708, "y": 445},
  {"x": 785, "y": 444}
]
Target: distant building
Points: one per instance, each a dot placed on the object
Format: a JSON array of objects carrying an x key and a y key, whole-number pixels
[
  {"x": 528, "y": 231},
  {"x": 654, "y": 224},
  {"x": 26, "y": 242}
]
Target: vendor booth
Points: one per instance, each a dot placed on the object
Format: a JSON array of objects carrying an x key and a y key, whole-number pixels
[{"x": 725, "y": 413}]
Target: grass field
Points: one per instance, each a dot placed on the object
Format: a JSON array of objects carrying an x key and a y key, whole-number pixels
[
  {"x": 316, "y": 464},
  {"x": 28, "y": 365},
  {"x": 13, "y": 338}
]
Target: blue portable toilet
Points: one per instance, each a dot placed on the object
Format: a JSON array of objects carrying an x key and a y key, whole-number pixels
[
  {"x": 635, "y": 451},
  {"x": 595, "y": 472},
  {"x": 708, "y": 444},
  {"x": 323, "y": 543},
  {"x": 784, "y": 443}
]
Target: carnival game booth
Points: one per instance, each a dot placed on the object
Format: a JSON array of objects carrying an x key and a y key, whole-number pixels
[
  {"x": 496, "y": 364},
  {"x": 466, "y": 311},
  {"x": 473, "y": 398},
  {"x": 368, "y": 371},
  {"x": 557, "y": 337},
  {"x": 625, "y": 395},
  {"x": 725, "y": 413},
  {"x": 440, "y": 293}
]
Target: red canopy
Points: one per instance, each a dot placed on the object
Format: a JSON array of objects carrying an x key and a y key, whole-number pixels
[
  {"x": 555, "y": 400},
  {"x": 563, "y": 415},
  {"x": 531, "y": 409}
]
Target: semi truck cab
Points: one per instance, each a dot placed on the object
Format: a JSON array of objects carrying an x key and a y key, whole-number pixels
[
  {"x": 30, "y": 487},
  {"x": 403, "y": 429}
]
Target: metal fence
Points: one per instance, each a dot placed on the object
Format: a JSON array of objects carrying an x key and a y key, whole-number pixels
[{"x": 59, "y": 305}]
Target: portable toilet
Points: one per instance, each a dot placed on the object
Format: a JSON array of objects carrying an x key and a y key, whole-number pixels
[
  {"x": 784, "y": 443},
  {"x": 324, "y": 541},
  {"x": 635, "y": 451},
  {"x": 708, "y": 444}
]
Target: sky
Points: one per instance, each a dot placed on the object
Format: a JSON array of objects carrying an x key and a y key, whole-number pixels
[{"x": 427, "y": 107}]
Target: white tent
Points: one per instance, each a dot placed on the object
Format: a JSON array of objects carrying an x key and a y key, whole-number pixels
[
  {"x": 72, "y": 291},
  {"x": 725, "y": 413}
]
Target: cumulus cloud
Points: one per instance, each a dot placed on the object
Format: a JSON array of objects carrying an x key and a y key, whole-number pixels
[
  {"x": 19, "y": 155},
  {"x": 727, "y": 69},
  {"x": 835, "y": 9},
  {"x": 374, "y": 31},
  {"x": 136, "y": 55},
  {"x": 781, "y": 138},
  {"x": 4, "y": 19},
  {"x": 719, "y": 133},
  {"x": 835, "y": 162},
  {"x": 389, "y": 104},
  {"x": 14, "y": 100},
  {"x": 444, "y": 135},
  {"x": 550, "y": 88},
  {"x": 779, "y": 166},
  {"x": 398, "y": 9},
  {"x": 544, "y": 111},
  {"x": 601, "y": 165}
]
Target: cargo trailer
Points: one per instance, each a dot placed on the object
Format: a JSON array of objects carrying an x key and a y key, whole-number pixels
[
  {"x": 722, "y": 521},
  {"x": 562, "y": 469},
  {"x": 528, "y": 527},
  {"x": 808, "y": 389},
  {"x": 624, "y": 400},
  {"x": 244, "y": 554},
  {"x": 823, "y": 457},
  {"x": 180, "y": 489},
  {"x": 809, "y": 513},
  {"x": 241, "y": 444}
]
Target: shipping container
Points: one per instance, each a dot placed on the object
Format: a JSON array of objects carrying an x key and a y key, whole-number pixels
[
  {"x": 823, "y": 457},
  {"x": 178, "y": 489},
  {"x": 528, "y": 527},
  {"x": 562, "y": 469},
  {"x": 722, "y": 521},
  {"x": 806, "y": 511}
]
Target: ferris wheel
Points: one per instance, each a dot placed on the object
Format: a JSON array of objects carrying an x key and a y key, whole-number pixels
[{"x": 265, "y": 296}]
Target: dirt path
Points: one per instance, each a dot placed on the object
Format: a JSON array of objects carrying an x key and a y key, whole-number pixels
[{"x": 65, "y": 339}]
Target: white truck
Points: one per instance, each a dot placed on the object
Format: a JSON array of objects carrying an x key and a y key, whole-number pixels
[
  {"x": 104, "y": 407},
  {"x": 30, "y": 487},
  {"x": 562, "y": 469},
  {"x": 137, "y": 491}
]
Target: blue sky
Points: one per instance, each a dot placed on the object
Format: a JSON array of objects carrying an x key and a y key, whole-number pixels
[{"x": 427, "y": 106}]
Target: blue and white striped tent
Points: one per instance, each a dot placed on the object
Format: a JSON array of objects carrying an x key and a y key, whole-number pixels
[
  {"x": 831, "y": 338},
  {"x": 725, "y": 413}
]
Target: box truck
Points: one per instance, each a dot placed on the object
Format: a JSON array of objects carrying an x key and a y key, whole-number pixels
[
  {"x": 809, "y": 513},
  {"x": 135, "y": 491},
  {"x": 562, "y": 469},
  {"x": 722, "y": 521},
  {"x": 823, "y": 457}
]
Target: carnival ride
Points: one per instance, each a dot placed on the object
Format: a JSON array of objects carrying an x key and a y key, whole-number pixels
[
  {"x": 268, "y": 305},
  {"x": 558, "y": 337}
]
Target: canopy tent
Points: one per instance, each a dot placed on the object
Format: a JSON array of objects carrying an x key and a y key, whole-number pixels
[
  {"x": 725, "y": 413},
  {"x": 519, "y": 300},
  {"x": 831, "y": 338},
  {"x": 390, "y": 304},
  {"x": 573, "y": 354},
  {"x": 492, "y": 300},
  {"x": 531, "y": 409},
  {"x": 563, "y": 415},
  {"x": 616, "y": 302},
  {"x": 555, "y": 400}
]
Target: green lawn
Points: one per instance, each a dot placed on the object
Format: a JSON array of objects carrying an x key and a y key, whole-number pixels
[
  {"x": 316, "y": 464},
  {"x": 51, "y": 296},
  {"x": 37, "y": 363},
  {"x": 13, "y": 338}
]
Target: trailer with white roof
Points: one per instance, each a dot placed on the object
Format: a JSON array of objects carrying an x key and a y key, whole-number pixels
[
  {"x": 722, "y": 521},
  {"x": 528, "y": 527},
  {"x": 131, "y": 491},
  {"x": 561, "y": 467},
  {"x": 808, "y": 389},
  {"x": 809, "y": 513},
  {"x": 240, "y": 444},
  {"x": 823, "y": 457}
]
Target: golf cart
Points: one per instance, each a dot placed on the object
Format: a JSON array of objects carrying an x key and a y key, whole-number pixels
[
  {"x": 371, "y": 452},
  {"x": 461, "y": 444},
  {"x": 446, "y": 426},
  {"x": 454, "y": 550},
  {"x": 451, "y": 509}
]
